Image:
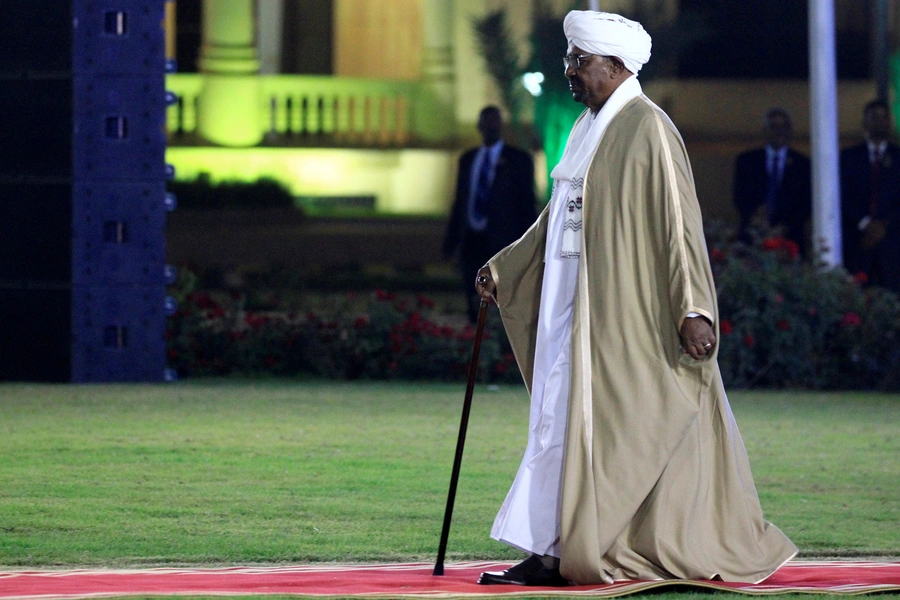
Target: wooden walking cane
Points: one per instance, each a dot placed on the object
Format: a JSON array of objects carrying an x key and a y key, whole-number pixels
[{"x": 461, "y": 440}]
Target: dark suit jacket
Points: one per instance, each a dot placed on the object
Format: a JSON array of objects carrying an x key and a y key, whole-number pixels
[
  {"x": 856, "y": 198},
  {"x": 793, "y": 202},
  {"x": 511, "y": 202}
]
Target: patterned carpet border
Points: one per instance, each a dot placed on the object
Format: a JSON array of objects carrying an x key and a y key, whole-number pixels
[{"x": 408, "y": 581}]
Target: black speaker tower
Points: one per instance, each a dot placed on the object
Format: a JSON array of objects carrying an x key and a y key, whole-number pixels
[{"x": 82, "y": 190}]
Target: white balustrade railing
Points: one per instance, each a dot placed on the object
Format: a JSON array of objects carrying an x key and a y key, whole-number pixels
[{"x": 324, "y": 109}]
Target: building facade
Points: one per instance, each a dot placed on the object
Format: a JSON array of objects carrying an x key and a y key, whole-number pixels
[{"x": 374, "y": 99}]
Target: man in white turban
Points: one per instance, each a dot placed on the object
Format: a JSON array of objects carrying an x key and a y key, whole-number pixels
[{"x": 634, "y": 467}]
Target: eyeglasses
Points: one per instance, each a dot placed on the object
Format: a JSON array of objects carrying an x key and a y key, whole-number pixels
[{"x": 575, "y": 60}]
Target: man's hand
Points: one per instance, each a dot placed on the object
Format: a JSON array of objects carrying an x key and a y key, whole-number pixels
[
  {"x": 873, "y": 233},
  {"x": 697, "y": 337},
  {"x": 484, "y": 284}
]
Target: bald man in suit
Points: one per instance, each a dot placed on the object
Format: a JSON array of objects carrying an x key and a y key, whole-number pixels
[
  {"x": 870, "y": 201},
  {"x": 494, "y": 205},
  {"x": 772, "y": 184}
]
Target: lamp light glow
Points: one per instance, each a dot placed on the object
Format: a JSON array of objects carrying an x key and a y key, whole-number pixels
[{"x": 532, "y": 82}]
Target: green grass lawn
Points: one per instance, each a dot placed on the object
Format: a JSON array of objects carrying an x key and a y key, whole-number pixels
[{"x": 225, "y": 472}]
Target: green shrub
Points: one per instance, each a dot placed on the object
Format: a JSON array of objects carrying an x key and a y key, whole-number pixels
[
  {"x": 392, "y": 338},
  {"x": 790, "y": 324},
  {"x": 783, "y": 323},
  {"x": 203, "y": 194}
]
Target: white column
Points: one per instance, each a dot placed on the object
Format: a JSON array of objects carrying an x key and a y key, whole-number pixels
[
  {"x": 270, "y": 15},
  {"x": 435, "y": 116},
  {"x": 229, "y": 112},
  {"x": 824, "y": 133}
]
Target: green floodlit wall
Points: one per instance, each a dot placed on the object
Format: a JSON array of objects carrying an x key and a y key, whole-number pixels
[
  {"x": 402, "y": 182},
  {"x": 895, "y": 87},
  {"x": 555, "y": 114}
]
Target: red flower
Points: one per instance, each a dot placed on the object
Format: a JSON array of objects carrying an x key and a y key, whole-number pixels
[
  {"x": 789, "y": 247},
  {"x": 500, "y": 369},
  {"x": 361, "y": 321},
  {"x": 812, "y": 311},
  {"x": 792, "y": 248},
  {"x": 716, "y": 255},
  {"x": 393, "y": 366},
  {"x": 255, "y": 321},
  {"x": 783, "y": 324},
  {"x": 424, "y": 301},
  {"x": 271, "y": 361},
  {"x": 778, "y": 298},
  {"x": 851, "y": 319},
  {"x": 749, "y": 340},
  {"x": 861, "y": 278},
  {"x": 201, "y": 299},
  {"x": 173, "y": 354},
  {"x": 725, "y": 328}
]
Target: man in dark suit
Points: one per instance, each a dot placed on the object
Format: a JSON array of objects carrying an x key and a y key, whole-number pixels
[
  {"x": 494, "y": 204},
  {"x": 870, "y": 201},
  {"x": 772, "y": 184}
]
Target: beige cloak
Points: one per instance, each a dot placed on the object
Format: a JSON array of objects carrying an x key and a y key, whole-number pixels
[{"x": 656, "y": 480}]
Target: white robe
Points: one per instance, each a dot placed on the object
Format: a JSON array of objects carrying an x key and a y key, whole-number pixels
[
  {"x": 656, "y": 482},
  {"x": 529, "y": 518}
]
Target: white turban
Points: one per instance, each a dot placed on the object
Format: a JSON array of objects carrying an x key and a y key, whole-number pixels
[{"x": 607, "y": 34}]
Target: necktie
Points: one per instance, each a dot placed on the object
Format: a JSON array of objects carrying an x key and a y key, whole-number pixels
[
  {"x": 875, "y": 168},
  {"x": 774, "y": 172},
  {"x": 482, "y": 188}
]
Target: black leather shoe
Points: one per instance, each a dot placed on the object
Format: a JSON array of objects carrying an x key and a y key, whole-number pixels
[{"x": 530, "y": 571}]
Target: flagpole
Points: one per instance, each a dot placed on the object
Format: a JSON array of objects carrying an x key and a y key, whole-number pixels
[{"x": 824, "y": 134}]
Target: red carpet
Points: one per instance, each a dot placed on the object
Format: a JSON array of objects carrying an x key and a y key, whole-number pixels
[{"x": 406, "y": 581}]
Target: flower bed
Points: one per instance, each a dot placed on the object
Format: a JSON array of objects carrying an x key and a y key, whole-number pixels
[
  {"x": 784, "y": 323},
  {"x": 389, "y": 337}
]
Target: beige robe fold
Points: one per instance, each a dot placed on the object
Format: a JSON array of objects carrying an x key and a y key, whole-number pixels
[{"x": 656, "y": 480}]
